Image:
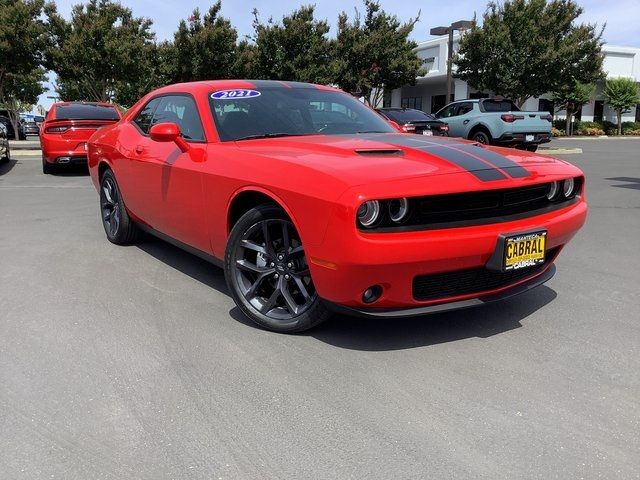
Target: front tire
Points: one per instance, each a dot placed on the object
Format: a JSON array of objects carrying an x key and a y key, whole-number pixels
[
  {"x": 118, "y": 226},
  {"x": 268, "y": 275}
]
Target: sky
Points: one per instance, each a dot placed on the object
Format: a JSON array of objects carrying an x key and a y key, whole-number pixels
[{"x": 622, "y": 17}]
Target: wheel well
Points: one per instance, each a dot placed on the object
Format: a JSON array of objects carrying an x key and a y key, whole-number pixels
[
  {"x": 244, "y": 202},
  {"x": 479, "y": 128},
  {"x": 103, "y": 167}
]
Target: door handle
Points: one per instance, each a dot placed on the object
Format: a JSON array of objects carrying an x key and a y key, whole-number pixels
[
  {"x": 139, "y": 149},
  {"x": 465, "y": 122}
]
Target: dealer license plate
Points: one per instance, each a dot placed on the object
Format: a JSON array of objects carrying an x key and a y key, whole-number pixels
[
  {"x": 521, "y": 251},
  {"x": 529, "y": 138},
  {"x": 427, "y": 132}
]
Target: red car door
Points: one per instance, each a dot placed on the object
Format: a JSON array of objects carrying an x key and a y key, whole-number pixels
[{"x": 164, "y": 184}]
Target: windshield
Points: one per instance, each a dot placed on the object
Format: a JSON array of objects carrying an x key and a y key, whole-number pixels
[
  {"x": 82, "y": 111},
  {"x": 407, "y": 115},
  {"x": 291, "y": 111}
]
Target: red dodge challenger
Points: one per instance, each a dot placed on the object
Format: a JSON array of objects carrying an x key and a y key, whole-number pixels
[{"x": 313, "y": 203}]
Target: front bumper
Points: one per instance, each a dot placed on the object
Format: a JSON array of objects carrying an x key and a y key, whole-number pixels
[
  {"x": 478, "y": 301},
  {"x": 345, "y": 265}
]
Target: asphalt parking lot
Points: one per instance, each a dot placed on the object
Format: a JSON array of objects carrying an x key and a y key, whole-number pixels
[{"x": 127, "y": 363}]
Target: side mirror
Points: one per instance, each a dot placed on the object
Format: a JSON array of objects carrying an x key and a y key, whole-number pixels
[{"x": 168, "y": 132}]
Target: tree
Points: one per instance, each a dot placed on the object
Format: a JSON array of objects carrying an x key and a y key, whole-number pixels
[
  {"x": 296, "y": 49},
  {"x": 621, "y": 94},
  {"x": 528, "y": 47},
  {"x": 570, "y": 98},
  {"x": 374, "y": 54},
  {"x": 103, "y": 54},
  {"x": 22, "y": 41},
  {"x": 203, "y": 48}
]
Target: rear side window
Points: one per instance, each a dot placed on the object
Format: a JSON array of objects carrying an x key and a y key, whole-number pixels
[
  {"x": 182, "y": 110},
  {"x": 82, "y": 111},
  {"x": 498, "y": 106},
  {"x": 464, "y": 108},
  {"x": 143, "y": 119}
]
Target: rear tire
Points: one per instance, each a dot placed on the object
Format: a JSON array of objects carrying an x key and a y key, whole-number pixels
[
  {"x": 118, "y": 226},
  {"x": 532, "y": 148},
  {"x": 48, "y": 168},
  {"x": 481, "y": 137},
  {"x": 268, "y": 275}
]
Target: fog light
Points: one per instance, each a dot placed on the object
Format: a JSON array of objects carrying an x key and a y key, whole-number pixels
[{"x": 372, "y": 294}]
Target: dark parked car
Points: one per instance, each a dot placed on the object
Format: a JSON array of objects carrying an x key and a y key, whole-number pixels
[
  {"x": 4, "y": 119},
  {"x": 415, "y": 121},
  {"x": 4, "y": 144},
  {"x": 29, "y": 126}
]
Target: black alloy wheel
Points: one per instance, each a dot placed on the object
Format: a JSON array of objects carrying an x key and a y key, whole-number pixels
[
  {"x": 120, "y": 229},
  {"x": 268, "y": 274},
  {"x": 481, "y": 137}
]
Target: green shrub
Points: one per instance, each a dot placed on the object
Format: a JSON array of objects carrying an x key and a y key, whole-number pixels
[
  {"x": 628, "y": 127},
  {"x": 609, "y": 128}
]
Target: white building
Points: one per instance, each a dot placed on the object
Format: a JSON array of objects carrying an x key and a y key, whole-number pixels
[{"x": 430, "y": 91}]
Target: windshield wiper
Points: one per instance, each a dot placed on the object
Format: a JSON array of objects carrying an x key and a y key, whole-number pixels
[{"x": 272, "y": 135}]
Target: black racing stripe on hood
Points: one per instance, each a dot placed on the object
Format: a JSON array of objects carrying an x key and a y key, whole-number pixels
[
  {"x": 465, "y": 161},
  {"x": 500, "y": 161},
  {"x": 448, "y": 151}
]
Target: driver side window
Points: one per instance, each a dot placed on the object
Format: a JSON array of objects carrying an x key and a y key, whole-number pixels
[
  {"x": 448, "y": 111},
  {"x": 181, "y": 110}
]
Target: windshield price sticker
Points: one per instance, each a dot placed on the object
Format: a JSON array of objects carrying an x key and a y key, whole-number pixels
[{"x": 237, "y": 93}]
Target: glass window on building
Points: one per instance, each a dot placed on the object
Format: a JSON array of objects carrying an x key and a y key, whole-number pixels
[{"x": 411, "y": 102}]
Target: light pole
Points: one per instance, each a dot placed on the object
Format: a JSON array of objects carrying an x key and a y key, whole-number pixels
[{"x": 439, "y": 31}]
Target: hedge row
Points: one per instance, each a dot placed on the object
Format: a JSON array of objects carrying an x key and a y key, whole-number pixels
[{"x": 595, "y": 128}]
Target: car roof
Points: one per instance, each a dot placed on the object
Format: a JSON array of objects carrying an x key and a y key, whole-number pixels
[
  {"x": 100, "y": 104},
  {"x": 398, "y": 109},
  {"x": 209, "y": 85}
]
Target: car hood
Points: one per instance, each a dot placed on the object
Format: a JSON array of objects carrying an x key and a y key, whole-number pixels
[{"x": 372, "y": 158}]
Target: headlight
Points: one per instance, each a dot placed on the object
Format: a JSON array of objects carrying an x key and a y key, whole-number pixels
[
  {"x": 553, "y": 190},
  {"x": 398, "y": 209},
  {"x": 369, "y": 213},
  {"x": 568, "y": 187}
]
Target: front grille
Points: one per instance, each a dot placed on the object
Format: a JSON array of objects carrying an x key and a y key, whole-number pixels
[
  {"x": 463, "y": 282},
  {"x": 476, "y": 208}
]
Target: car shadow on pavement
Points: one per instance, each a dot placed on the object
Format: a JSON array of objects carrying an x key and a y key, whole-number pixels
[
  {"x": 398, "y": 334},
  {"x": 377, "y": 334},
  {"x": 632, "y": 183},
  {"x": 72, "y": 171},
  {"x": 6, "y": 167},
  {"x": 185, "y": 262}
]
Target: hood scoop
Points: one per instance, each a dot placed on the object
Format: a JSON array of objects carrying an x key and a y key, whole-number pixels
[{"x": 379, "y": 152}]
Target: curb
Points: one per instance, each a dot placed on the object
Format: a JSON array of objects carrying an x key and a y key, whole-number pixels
[
  {"x": 559, "y": 151},
  {"x": 25, "y": 153},
  {"x": 599, "y": 137}
]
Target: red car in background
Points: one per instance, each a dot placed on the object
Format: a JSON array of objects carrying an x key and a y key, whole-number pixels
[
  {"x": 66, "y": 129},
  {"x": 312, "y": 202}
]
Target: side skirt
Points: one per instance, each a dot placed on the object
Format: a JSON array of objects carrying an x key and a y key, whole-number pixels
[{"x": 188, "y": 248}]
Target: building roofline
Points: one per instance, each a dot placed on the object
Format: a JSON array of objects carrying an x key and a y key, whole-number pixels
[{"x": 607, "y": 47}]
